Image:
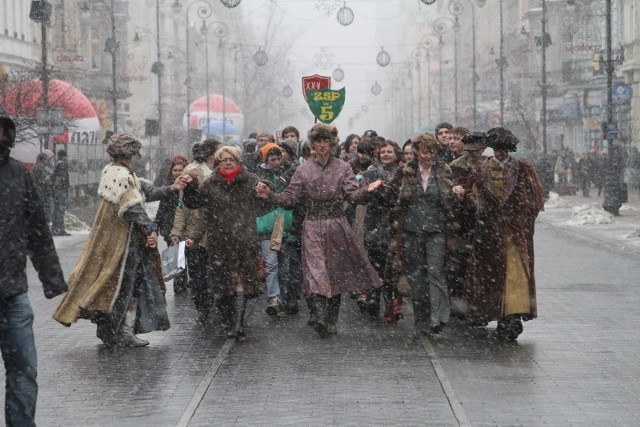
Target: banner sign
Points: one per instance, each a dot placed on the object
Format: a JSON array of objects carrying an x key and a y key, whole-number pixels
[
  {"x": 325, "y": 104},
  {"x": 315, "y": 82}
]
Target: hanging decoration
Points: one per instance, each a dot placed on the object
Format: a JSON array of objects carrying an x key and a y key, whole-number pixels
[
  {"x": 338, "y": 74},
  {"x": 287, "y": 91},
  {"x": 376, "y": 89},
  {"x": 428, "y": 2},
  {"x": 364, "y": 108},
  {"x": 327, "y": 6},
  {"x": 230, "y": 3},
  {"x": 324, "y": 59},
  {"x": 383, "y": 59},
  {"x": 345, "y": 15},
  {"x": 260, "y": 57}
]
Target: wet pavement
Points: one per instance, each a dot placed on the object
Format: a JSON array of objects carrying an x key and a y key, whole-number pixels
[{"x": 577, "y": 364}]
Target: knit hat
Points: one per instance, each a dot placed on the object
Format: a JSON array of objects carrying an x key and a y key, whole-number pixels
[
  {"x": 264, "y": 151},
  {"x": 123, "y": 144},
  {"x": 289, "y": 145}
]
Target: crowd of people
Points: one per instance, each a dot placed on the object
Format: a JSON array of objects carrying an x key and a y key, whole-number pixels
[{"x": 433, "y": 222}]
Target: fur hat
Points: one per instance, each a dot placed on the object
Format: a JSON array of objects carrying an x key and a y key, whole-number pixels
[
  {"x": 473, "y": 141},
  {"x": 62, "y": 154},
  {"x": 264, "y": 151},
  {"x": 208, "y": 147},
  {"x": 322, "y": 131},
  {"x": 9, "y": 126},
  {"x": 123, "y": 144},
  {"x": 501, "y": 138}
]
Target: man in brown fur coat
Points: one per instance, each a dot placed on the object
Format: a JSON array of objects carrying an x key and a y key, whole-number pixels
[{"x": 500, "y": 281}]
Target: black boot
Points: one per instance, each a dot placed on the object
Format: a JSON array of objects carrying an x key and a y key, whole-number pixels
[
  {"x": 237, "y": 327},
  {"x": 320, "y": 314},
  {"x": 225, "y": 308},
  {"x": 333, "y": 309}
]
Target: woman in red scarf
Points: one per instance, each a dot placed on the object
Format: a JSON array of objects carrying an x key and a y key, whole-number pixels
[{"x": 228, "y": 216}]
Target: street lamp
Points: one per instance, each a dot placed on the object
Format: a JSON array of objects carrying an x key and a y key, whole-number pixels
[
  {"x": 203, "y": 11},
  {"x": 157, "y": 68},
  {"x": 441, "y": 26},
  {"x": 427, "y": 43},
  {"x": 41, "y": 12},
  {"x": 502, "y": 64},
  {"x": 221, "y": 32}
]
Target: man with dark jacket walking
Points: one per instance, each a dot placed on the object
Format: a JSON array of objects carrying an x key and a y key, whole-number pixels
[
  {"x": 60, "y": 182},
  {"x": 23, "y": 231}
]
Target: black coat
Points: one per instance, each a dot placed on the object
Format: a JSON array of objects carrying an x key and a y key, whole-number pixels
[{"x": 24, "y": 231}]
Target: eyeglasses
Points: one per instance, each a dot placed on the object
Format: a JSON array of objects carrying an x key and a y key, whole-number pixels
[{"x": 228, "y": 160}]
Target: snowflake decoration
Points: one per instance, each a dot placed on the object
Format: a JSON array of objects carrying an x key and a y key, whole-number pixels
[
  {"x": 328, "y": 7},
  {"x": 324, "y": 59}
]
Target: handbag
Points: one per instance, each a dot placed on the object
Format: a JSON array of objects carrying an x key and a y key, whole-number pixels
[
  {"x": 277, "y": 233},
  {"x": 174, "y": 261}
]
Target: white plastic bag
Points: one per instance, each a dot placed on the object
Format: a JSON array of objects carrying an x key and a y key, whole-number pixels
[{"x": 174, "y": 261}]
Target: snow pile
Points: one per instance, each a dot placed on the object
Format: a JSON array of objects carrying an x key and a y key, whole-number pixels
[
  {"x": 73, "y": 223},
  {"x": 627, "y": 207},
  {"x": 555, "y": 201},
  {"x": 590, "y": 214},
  {"x": 634, "y": 235}
]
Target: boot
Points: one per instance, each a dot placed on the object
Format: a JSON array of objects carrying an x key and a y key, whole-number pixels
[
  {"x": 320, "y": 314},
  {"x": 333, "y": 309},
  {"x": 126, "y": 337},
  {"x": 312, "y": 314},
  {"x": 237, "y": 326},
  {"x": 397, "y": 308},
  {"x": 225, "y": 308},
  {"x": 389, "y": 313}
]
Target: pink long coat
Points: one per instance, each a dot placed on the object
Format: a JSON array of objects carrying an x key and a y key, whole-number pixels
[{"x": 332, "y": 261}]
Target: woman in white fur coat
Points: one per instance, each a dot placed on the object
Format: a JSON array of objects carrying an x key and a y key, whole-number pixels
[{"x": 117, "y": 282}]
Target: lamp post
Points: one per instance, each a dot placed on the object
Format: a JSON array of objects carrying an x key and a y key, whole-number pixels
[
  {"x": 220, "y": 31},
  {"x": 544, "y": 77},
  {"x": 41, "y": 13},
  {"x": 441, "y": 26},
  {"x": 203, "y": 11},
  {"x": 157, "y": 68},
  {"x": 502, "y": 63}
]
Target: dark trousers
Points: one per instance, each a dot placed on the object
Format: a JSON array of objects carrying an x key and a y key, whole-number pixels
[
  {"x": 200, "y": 278},
  {"x": 20, "y": 361},
  {"x": 60, "y": 200},
  {"x": 290, "y": 271}
]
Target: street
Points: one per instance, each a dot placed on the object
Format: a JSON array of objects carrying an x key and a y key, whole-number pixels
[{"x": 577, "y": 364}]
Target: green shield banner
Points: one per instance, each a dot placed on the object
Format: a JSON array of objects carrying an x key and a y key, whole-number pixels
[{"x": 326, "y": 104}]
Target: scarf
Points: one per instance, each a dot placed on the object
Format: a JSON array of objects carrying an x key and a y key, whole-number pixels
[{"x": 231, "y": 175}]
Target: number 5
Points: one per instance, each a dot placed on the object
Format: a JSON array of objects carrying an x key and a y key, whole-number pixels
[{"x": 325, "y": 113}]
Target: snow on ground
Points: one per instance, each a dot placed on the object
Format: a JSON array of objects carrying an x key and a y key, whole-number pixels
[
  {"x": 590, "y": 214},
  {"x": 555, "y": 201}
]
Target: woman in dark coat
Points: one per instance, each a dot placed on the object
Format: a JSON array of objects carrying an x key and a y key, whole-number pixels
[
  {"x": 423, "y": 223},
  {"x": 377, "y": 231},
  {"x": 229, "y": 208},
  {"x": 167, "y": 207}
]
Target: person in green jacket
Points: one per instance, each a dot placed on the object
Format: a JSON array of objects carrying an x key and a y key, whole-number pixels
[{"x": 271, "y": 171}]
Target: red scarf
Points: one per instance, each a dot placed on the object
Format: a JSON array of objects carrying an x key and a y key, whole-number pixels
[{"x": 231, "y": 175}]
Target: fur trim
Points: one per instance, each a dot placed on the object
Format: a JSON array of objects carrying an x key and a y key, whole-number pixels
[{"x": 120, "y": 186}]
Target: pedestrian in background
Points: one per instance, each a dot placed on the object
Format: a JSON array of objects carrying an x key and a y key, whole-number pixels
[
  {"x": 332, "y": 261},
  {"x": 424, "y": 222},
  {"x": 42, "y": 173},
  {"x": 117, "y": 282},
  {"x": 23, "y": 232},
  {"x": 60, "y": 184},
  {"x": 500, "y": 281}
]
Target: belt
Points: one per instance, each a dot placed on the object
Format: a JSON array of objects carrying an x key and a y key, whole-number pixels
[{"x": 324, "y": 209}]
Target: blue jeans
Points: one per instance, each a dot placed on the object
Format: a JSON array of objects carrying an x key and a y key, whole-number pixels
[
  {"x": 271, "y": 264},
  {"x": 59, "y": 207},
  {"x": 19, "y": 355}
]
